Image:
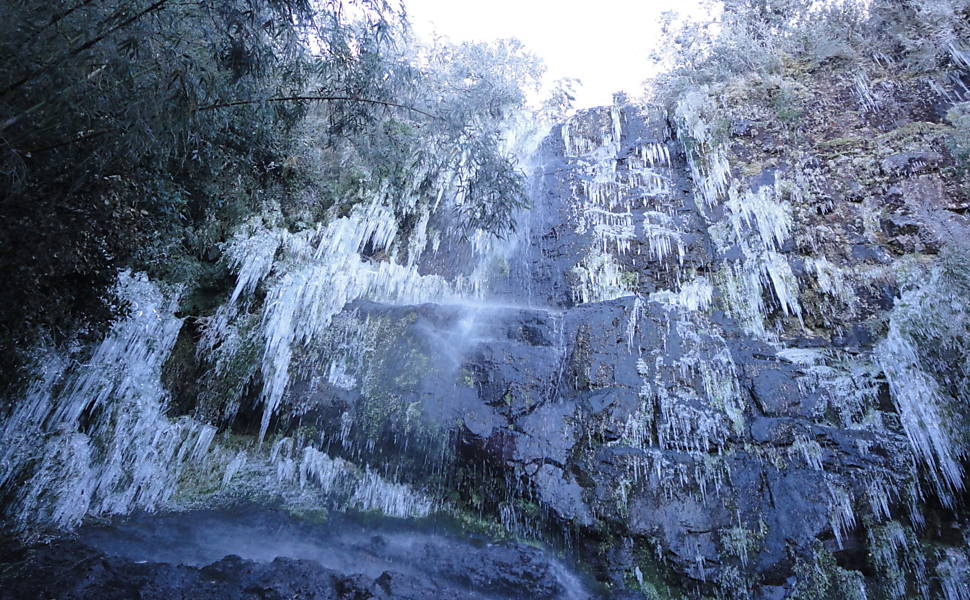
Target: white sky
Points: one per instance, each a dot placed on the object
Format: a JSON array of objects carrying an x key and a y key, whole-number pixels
[{"x": 604, "y": 43}]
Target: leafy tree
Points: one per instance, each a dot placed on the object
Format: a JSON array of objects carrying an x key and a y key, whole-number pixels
[{"x": 141, "y": 132}]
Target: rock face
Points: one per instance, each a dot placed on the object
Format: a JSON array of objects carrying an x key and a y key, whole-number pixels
[
  {"x": 699, "y": 387},
  {"x": 709, "y": 364}
]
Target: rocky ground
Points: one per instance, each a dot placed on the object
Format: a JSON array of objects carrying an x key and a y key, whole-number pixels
[{"x": 197, "y": 555}]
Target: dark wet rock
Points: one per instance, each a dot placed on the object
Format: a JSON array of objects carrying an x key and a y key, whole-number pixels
[
  {"x": 773, "y": 430},
  {"x": 741, "y": 127},
  {"x": 505, "y": 569},
  {"x": 899, "y": 225},
  {"x": 918, "y": 161},
  {"x": 404, "y": 565},
  {"x": 777, "y": 393},
  {"x": 687, "y": 527},
  {"x": 560, "y": 492},
  {"x": 547, "y": 434},
  {"x": 70, "y": 570},
  {"x": 793, "y": 492},
  {"x": 857, "y": 336},
  {"x": 869, "y": 253},
  {"x": 766, "y": 178},
  {"x": 772, "y": 592}
]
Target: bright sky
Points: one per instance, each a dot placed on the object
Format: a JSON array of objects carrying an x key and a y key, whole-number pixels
[{"x": 604, "y": 43}]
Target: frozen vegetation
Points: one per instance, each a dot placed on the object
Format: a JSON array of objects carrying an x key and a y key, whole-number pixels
[{"x": 709, "y": 343}]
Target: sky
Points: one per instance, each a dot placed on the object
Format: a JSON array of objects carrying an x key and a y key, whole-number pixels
[{"x": 604, "y": 43}]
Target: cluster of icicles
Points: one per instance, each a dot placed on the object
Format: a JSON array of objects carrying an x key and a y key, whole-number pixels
[
  {"x": 93, "y": 438},
  {"x": 693, "y": 404},
  {"x": 93, "y": 435}
]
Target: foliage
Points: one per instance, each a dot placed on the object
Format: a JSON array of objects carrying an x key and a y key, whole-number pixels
[
  {"x": 758, "y": 37},
  {"x": 140, "y": 133},
  {"x": 959, "y": 142}
]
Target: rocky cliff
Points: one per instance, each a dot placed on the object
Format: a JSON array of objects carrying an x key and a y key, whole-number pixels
[{"x": 724, "y": 355}]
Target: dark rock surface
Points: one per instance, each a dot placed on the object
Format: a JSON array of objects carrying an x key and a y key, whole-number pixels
[
  {"x": 174, "y": 556},
  {"x": 686, "y": 395},
  {"x": 679, "y": 432}
]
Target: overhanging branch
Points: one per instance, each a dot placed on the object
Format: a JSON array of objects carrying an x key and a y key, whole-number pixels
[{"x": 317, "y": 99}]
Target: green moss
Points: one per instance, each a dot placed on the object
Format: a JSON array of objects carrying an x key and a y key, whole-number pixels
[
  {"x": 629, "y": 280},
  {"x": 317, "y": 516},
  {"x": 823, "y": 579},
  {"x": 508, "y": 398},
  {"x": 843, "y": 145},
  {"x": 466, "y": 377},
  {"x": 912, "y": 132},
  {"x": 958, "y": 138},
  {"x": 197, "y": 483},
  {"x": 743, "y": 542},
  {"x": 413, "y": 370},
  {"x": 786, "y": 102},
  {"x": 468, "y": 521},
  {"x": 654, "y": 580}
]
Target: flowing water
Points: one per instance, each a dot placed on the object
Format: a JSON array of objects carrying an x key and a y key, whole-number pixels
[
  {"x": 368, "y": 546},
  {"x": 635, "y": 359}
]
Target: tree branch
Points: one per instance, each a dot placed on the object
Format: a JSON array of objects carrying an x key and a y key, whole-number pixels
[
  {"x": 58, "y": 18},
  {"x": 98, "y": 133},
  {"x": 79, "y": 49},
  {"x": 81, "y": 138},
  {"x": 317, "y": 99}
]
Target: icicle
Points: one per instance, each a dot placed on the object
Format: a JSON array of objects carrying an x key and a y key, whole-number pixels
[
  {"x": 234, "y": 466},
  {"x": 810, "y": 451},
  {"x": 392, "y": 499},
  {"x": 954, "y": 574},
  {"x": 918, "y": 399},
  {"x": 598, "y": 277},
  {"x": 761, "y": 211},
  {"x": 694, "y": 296},
  {"x": 100, "y": 427},
  {"x": 841, "y": 515}
]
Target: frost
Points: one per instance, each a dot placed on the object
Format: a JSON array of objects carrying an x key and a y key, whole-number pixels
[
  {"x": 879, "y": 498},
  {"x": 342, "y": 484},
  {"x": 694, "y": 296},
  {"x": 809, "y": 451},
  {"x": 802, "y": 356},
  {"x": 762, "y": 212},
  {"x": 321, "y": 271},
  {"x": 598, "y": 277},
  {"x": 920, "y": 405},
  {"x": 954, "y": 574},
  {"x": 777, "y": 272},
  {"x": 831, "y": 280},
  {"x": 393, "y": 499},
  {"x": 663, "y": 237},
  {"x": 338, "y": 375},
  {"x": 864, "y": 92},
  {"x": 587, "y": 133},
  {"x": 234, "y": 466},
  {"x": 100, "y": 428},
  {"x": 691, "y": 404},
  {"x": 928, "y": 327}
]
